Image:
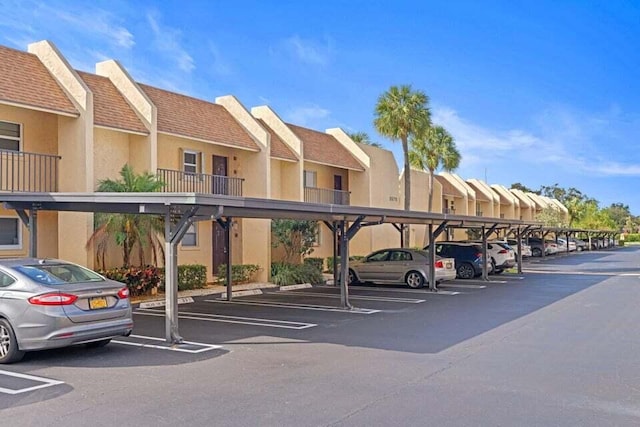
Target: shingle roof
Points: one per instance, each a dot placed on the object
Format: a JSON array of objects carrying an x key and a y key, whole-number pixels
[
  {"x": 25, "y": 80},
  {"x": 278, "y": 147},
  {"x": 194, "y": 118},
  {"x": 109, "y": 106},
  {"x": 323, "y": 148}
]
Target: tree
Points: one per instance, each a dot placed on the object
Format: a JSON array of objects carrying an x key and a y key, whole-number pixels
[
  {"x": 551, "y": 217},
  {"x": 363, "y": 138},
  {"x": 128, "y": 230},
  {"x": 522, "y": 187},
  {"x": 432, "y": 149},
  {"x": 401, "y": 113},
  {"x": 619, "y": 213},
  {"x": 296, "y": 237}
]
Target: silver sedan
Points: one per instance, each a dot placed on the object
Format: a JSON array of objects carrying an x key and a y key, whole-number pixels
[
  {"x": 47, "y": 303},
  {"x": 409, "y": 266}
]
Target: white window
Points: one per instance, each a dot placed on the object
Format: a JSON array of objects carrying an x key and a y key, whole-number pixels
[
  {"x": 10, "y": 136},
  {"x": 191, "y": 162},
  {"x": 10, "y": 233},
  {"x": 191, "y": 236},
  {"x": 310, "y": 179}
]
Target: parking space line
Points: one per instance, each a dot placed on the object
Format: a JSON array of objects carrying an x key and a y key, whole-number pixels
[
  {"x": 205, "y": 317},
  {"x": 297, "y": 306},
  {"x": 381, "y": 289},
  {"x": 205, "y": 347},
  {"x": 46, "y": 382},
  {"x": 453, "y": 285},
  {"x": 356, "y": 297}
]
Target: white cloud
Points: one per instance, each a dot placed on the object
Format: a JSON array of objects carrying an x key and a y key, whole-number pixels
[
  {"x": 219, "y": 65},
  {"x": 306, "y": 115},
  {"x": 560, "y": 139},
  {"x": 97, "y": 22},
  {"x": 167, "y": 41},
  {"x": 308, "y": 51}
]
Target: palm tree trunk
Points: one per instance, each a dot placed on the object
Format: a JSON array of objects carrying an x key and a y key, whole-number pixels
[
  {"x": 429, "y": 207},
  {"x": 407, "y": 188}
]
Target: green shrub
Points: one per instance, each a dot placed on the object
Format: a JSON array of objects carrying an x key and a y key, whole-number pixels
[
  {"x": 139, "y": 280},
  {"x": 315, "y": 262},
  {"x": 632, "y": 237},
  {"x": 190, "y": 276},
  {"x": 240, "y": 273},
  {"x": 292, "y": 274}
]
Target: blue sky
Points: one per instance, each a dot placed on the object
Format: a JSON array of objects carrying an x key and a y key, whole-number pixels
[{"x": 534, "y": 92}]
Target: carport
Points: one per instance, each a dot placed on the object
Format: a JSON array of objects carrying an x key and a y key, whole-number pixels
[{"x": 180, "y": 210}]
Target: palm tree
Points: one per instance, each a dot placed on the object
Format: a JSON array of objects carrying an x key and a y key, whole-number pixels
[
  {"x": 399, "y": 114},
  {"x": 363, "y": 138},
  {"x": 127, "y": 230},
  {"x": 432, "y": 149}
]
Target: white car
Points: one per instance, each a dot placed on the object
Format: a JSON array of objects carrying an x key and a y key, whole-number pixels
[
  {"x": 572, "y": 245},
  {"x": 501, "y": 255},
  {"x": 526, "y": 249}
]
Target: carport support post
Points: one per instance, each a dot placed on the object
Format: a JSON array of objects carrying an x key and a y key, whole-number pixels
[
  {"x": 567, "y": 234},
  {"x": 519, "y": 246},
  {"x": 344, "y": 266},
  {"x": 485, "y": 260},
  {"x": 334, "y": 232},
  {"x": 589, "y": 235},
  {"x": 173, "y": 236},
  {"x": 432, "y": 260},
  {"x": 227, "y": 226},
  {"x": 33, "y": 233}
]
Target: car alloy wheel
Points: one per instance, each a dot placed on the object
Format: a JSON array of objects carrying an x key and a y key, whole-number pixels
[
  {"x": 352, "y": 278},
  {"x": 414, "y": 280},
  {"x": 466, "y": 271},
  {"x": 8, "y": 345}
]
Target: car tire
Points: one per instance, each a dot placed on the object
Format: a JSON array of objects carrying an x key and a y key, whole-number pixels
[
  {"x": 414, "y": 280},
  {"x": 465, "y": 271},
  {"x": 98, "y": 344},
  {"x": 493, "y": 267},
  {"x": 536, "y": 252},
  {"x": 498, "y": 271},
  {"x": 9, "y": 351},
  {"x": 352, "y": 278}
]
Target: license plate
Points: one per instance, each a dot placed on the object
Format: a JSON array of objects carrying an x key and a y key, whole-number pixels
[
  {"x": 97, "y": 303},
  {"x": 448, "y": 265}
]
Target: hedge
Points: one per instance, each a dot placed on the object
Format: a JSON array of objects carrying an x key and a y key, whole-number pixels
[
  {"x": 139, "y": 280},
  {"x": 240, "y": 273},
  {"x": 292, "y": 274},
  {"x": 190, "y": 276},
  {"x": 315, "y": 262},
  {"x": 632, "y": 237},
  {"x": 351, "y": 258}
]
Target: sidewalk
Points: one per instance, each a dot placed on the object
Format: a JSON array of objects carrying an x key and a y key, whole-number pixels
[{"x": 211, "y": 290}]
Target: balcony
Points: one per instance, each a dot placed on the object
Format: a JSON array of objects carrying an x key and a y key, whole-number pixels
[
  {"x": 185, "y": 182},
  {"x": 326, "y": 196},
  {"x": 478, "y": 212},
  {"x": 451, "y": 211},
  {"x": 28, "y": 172}
]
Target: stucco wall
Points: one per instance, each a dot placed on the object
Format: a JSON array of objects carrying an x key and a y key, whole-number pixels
[{"x": 110, "y": 154}]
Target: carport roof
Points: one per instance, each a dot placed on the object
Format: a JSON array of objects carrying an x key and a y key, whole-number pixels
[{"x": 210, "y": 207}]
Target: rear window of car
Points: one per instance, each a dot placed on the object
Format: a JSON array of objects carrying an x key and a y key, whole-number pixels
[{"x": 58, "y": 274}]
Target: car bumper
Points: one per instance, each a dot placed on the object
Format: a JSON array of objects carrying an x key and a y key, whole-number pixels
[
  {"x": 445, "y": 276},
  {"x": 78, "y": 334}
]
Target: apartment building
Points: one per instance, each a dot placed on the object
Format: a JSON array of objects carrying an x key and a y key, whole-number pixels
[{"x": 66, "y": 130}]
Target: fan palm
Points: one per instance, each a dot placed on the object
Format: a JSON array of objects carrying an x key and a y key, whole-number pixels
[
  {"x": 363, "y": 138},
  {"x": 433, "y": 149},
  {"x": 401, "y": 113},
  {"x": 128, "y": 230}
]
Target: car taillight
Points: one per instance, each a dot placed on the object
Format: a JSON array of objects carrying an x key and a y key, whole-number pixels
[
  {"x": 504, "y": 251},
  {"x": 123, "y": 293},
  {"x": 439, "y": 264},
  {"x": 53, "y": 298}
]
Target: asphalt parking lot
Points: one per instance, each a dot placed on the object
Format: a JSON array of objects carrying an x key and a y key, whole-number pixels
[{"x": 555, "y": 346}]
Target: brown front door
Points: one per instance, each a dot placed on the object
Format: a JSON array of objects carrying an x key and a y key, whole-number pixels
[
  {"x": 220, "y": 248},
  {"x": 218, "y": 184},
  {"x": 337, "y": 185}
]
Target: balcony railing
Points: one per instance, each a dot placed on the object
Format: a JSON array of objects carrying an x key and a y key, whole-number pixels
[
  {"x": 478, "y": 212},
  {"x": 185, "y": 182},
  {"x": 326, "y": 196},
  {"x": 449, "y": 210},
  {"x": 28, "y": 172}
]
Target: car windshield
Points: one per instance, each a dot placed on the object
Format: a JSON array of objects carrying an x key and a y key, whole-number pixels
[{"x": 58, "y": 274}]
